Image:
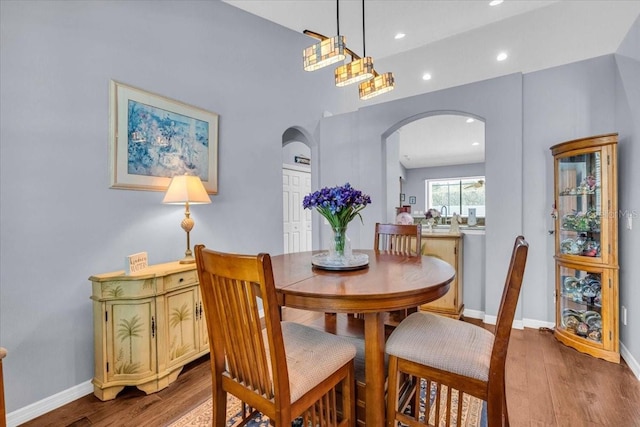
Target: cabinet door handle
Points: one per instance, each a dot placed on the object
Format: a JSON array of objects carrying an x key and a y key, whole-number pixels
[{"x": 153, "y": 327}]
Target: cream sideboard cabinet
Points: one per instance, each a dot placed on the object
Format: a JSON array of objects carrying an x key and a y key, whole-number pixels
[
  {"x": 147, "y": 326},
  {"x": 447, "y": 247}
]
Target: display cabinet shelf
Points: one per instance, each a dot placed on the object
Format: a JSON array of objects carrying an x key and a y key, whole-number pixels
[{"x": 586, "y": 245}]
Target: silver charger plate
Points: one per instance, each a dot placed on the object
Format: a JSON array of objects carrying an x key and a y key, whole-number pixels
[{"x": 325, "y": 262}]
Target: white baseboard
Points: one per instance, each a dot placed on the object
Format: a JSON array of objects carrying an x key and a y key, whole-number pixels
[
  {"x": 474, "y": 314},
  {"x": 537, "y": 324},
  {"x": 633, "y": 363},
  {"x": 48, "y": 404}
]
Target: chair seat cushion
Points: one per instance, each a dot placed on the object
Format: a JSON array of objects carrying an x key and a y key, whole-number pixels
[
  {"x": 312, "y": 356},
  {"x": 443, "y": 343}
]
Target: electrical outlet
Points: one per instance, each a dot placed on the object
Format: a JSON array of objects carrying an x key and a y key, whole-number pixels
[{"x": 624, "y": 315}]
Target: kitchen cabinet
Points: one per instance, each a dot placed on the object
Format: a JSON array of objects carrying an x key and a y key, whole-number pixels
[{"x": 448, "y": 247}]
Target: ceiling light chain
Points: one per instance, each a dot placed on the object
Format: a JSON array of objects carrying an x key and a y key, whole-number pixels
[
  {"x": 359, "y": 69},
  {"x": 380, "y": 83}
]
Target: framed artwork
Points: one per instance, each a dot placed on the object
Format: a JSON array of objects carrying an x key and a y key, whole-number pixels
[
  {"x": 412, "y": 200},
  {"x": 153, "y": 138}
]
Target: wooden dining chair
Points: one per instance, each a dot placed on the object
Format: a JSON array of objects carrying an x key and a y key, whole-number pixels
[
  {"x": 448, "y": 354},
  {"x": 283, "y": 370},
  {"x": 404, "y": 239},
  {"x": 401, "y": 238}
]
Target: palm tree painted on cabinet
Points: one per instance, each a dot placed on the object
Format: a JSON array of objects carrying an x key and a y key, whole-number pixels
[
  {"x": 178, "y": 316},
  {"x": 128, "y": 330}
]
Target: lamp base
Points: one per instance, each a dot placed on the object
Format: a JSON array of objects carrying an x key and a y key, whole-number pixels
[{"x": 187, "y": 260}]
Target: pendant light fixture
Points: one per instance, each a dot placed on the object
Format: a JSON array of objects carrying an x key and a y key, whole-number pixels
[
  {"x": 380, "y": 83},
  {"x": 358, "y": 69},
  {"x": 328, "y": 51}
]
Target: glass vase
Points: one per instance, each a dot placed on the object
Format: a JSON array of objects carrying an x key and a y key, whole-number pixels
[{"x": 339, "y": 245}]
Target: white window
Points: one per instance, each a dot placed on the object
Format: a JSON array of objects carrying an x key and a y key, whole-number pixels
[{"x": 456, "y": 195}]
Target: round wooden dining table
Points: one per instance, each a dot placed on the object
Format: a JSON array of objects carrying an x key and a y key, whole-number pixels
[{"x": 390, "y": 282}]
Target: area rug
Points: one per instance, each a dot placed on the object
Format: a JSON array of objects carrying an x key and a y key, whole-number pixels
[{"x": 474, "y": 412}]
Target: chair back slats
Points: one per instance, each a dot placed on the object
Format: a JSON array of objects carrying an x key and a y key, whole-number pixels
[
  {"x": 234, "y": 290},
  {"x": 398, "y": 238},
  {"x": 246, "y": 355}
]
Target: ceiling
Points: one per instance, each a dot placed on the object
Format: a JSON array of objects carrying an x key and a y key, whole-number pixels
[{"x": 457, "y": 43}]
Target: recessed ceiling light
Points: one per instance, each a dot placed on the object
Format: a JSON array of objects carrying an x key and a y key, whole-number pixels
[
  {"x": 495, "y": 2},
  {"x": 469, "y": 120},
  {"x": 426, "y": 76},
  {"x": 399, "y": 36},
  {"x": 475, "y": 143},
  {"x": 501, "y": 56}
]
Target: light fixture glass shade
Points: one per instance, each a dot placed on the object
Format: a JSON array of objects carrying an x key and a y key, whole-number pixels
[
  {"x": 355, "y": 71},
  {"x": 376, "y": 86},
  {"x": 186, "y": 189},
  {"x": 327, "y": 52}
]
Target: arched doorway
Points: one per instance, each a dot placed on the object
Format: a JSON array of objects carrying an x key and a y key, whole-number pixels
[{"x": 296, "y": 183}]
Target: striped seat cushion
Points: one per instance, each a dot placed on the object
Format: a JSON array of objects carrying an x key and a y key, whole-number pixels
[
  {"x": 312, "y": 356},
  {"x": 443, "y": 343}
]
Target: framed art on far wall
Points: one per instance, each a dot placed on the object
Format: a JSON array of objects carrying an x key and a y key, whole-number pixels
[{"x": 153, "y": 138}]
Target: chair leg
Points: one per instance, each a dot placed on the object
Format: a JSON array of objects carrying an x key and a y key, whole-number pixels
[
  {"x": 392, "y": 391},
  {"x": 349, "y": 396},
  {"x": 494, "y": 413},
  {"x": 219, "y": 408}
]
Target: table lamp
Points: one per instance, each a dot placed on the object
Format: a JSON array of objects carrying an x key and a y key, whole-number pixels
[{"x": 186, "y": 189}]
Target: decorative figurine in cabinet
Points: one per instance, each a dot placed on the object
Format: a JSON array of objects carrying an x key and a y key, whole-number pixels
[{"x": 586, "y": 246}]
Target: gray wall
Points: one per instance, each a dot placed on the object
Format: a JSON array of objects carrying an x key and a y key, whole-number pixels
[
  {"x": 61, "y": 223},
  {"x": 560, "y": 104},
  {"x": 359, "y": 138},
  {"x": 627, "y": 111}
]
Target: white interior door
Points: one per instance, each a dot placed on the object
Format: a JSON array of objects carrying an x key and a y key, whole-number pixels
[{"x": 297, "y": 221}]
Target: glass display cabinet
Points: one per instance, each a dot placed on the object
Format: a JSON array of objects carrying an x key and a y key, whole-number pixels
[{"x": 586, "y": 245}]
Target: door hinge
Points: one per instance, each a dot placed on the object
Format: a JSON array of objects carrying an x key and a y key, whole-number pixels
[
  {"x": 153, "y": 327},
  {"x": 107, "y": 367},
  {"x": 609, "y": 248},
  {"x": 609, "y": 282},
  {"x": 106, "y": 316},
  {"x": 455, "y": 250},
  {"x": 610, "y": 335},
  {"x": 608, "y": 160}
]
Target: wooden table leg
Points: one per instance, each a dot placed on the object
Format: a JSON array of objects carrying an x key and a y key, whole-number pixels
[{"x": 374, "y": 369}]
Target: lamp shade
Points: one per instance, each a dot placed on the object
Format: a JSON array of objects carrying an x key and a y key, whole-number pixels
[
  {"x": 327, "y": 52},
  {"x": 376, "y": 86},
  {"x": 355, "y": 71},
  {"x": 186, "y": 189}
]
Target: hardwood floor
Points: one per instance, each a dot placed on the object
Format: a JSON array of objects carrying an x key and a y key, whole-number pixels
[{"x": 548, "y": 384}]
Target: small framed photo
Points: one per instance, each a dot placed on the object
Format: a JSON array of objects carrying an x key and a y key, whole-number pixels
[
  {"x": 412, "y": 200},
  {"x": 153, "y": 138}
]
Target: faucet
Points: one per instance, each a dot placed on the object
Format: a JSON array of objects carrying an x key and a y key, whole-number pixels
[{"x": 444, "y": 215}]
